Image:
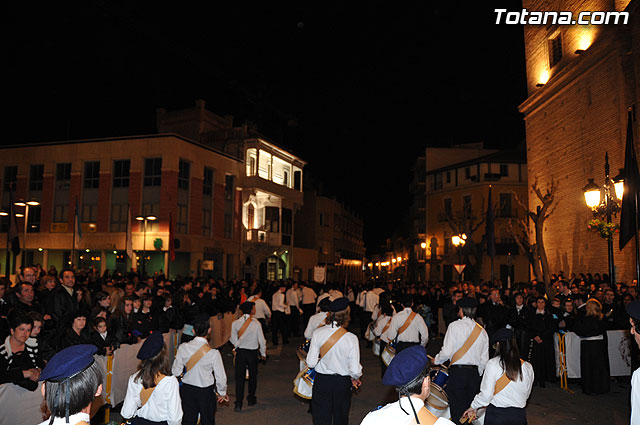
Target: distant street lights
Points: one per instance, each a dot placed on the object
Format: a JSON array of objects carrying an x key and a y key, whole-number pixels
[
  {"x": 145, "y": 219},
  {"x": 459, "y": 241},
  {"x": 605, "y": 202}
]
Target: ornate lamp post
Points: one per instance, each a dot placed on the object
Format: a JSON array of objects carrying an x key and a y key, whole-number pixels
[
  {"x": 605, "y": 202},
  {"x": 459, "y": 241},
  {"x": 145, "y": 219}
]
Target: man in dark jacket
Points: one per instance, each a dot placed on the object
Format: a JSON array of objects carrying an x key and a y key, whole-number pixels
[{"x": 63, "y": 302}]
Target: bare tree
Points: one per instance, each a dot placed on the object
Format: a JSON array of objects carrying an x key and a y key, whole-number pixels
[
  {"x": 538, "y": 217},
  {"x": 465, "y": 221}
]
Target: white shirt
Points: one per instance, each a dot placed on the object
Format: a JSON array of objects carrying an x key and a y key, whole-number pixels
[
  {"x": 203, "y": 372},
  {"x": 278, "y": 302},
  {"x": 334, "y": 294},
  {"x": 416, "y": 331},
  {"x": 635, "y": 398},
  {"x": 457, "y": 333},
  {"x": 293, "y": 298},
  {"x": 73, "y": 419},
  {"x": 380, "y": 324},
  {"x": 370, "y": 300},
  {"x": 392, "y": 413},
  {"x": 262, "y": 309},
  {"x": 163, "y": 405},
  {"x": 308, "y": 295},
  {"x": 515, "y": 394},
  {"x": 252, "y": 338},
  {"x": 315, "y": 322},
  {"x": 342, "y": 359}
]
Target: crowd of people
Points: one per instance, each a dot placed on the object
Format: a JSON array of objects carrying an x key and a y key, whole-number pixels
[{"x": 46, "y": 311}]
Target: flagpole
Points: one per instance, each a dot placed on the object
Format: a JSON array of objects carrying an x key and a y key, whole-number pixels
[{"x": 73, "y": 245}]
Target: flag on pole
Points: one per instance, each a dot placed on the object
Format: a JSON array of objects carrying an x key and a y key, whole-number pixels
[
  {"x": 172, "y": 247},
  {"x": 129, "y": 247},
  {"x": 628, "y": 216},
  {"x": 13, "y": 237},
  {"x": 78, "y": 226},
  {"x": 490, "y": 228}
]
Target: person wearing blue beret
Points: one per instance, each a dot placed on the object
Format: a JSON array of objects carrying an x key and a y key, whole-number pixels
[
  {"x": 408, "y": 372},
  {"x": 153, "y": 395},
  {"x": 72, "y": 379}
]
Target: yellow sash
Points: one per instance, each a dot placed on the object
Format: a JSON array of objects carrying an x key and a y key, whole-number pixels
[
  {"x": 146, "y": 392},
  {"x": 244, "y": 327},
  {"x": 503, "y": 381},
  {"x": 406, "y": 323},
  {"x": 467, "y": 344},
  {"x": 331, "y": 341},
  {"x": 82, "y": 423},
  {"x": 195, "y": 358},
  {"x": 425, "y": 417}
]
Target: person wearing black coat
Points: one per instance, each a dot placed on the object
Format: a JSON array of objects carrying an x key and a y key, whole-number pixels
[
  {"x": 518, "y": 318},
  {"x": 594, "y": 357},
  {"x": 540, "y": 329},
  {"x": 567, "y": 317},
  {"x": 494, "y": 315},
  {"x": 63, "y": 302},
  {"x": 100, "y": 337},
  {"x": 121, "y": 325},
  {"x": 76, "y": 333}
]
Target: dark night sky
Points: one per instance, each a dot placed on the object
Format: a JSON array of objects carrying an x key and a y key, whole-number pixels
[{"x": 369, "y": 83}]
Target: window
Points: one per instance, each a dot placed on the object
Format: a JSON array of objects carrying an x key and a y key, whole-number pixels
[
  {"x": 506, "y": 205},
  {"x": 60, "y": 213},
  {"x": 33, "y": 222},
  {"x": 504, "y": 170},
  {"x": 89, "y": 213},
  {"x": 252, "y": 161},
  {"x": 36, "y": 173},
  {"x": 10, "y": 177},
  {"x": 228, "y": 187},
  {"x": 321, "y": 218},
  {"x": 119, "y": 216},
  {"x": 297, "y": 180},
  {"x": 287, "y": 226},
  {"x": 437, "y": 181},
  {"x": 206, "y": 222},
  {"x": 152, "y": 172},
  {"x": 272, "y": 219},
  {"x": 448, "y": 176},
  {"x": 63, "y": 176},
  {"x": 184, "y": 169},
  {"x": 264, "y": 165},
  {"x": 555, "y": 50},
  {"x": 467, "y": 173},
  {"x": 207, "y": 183},
  {"x": 228, "y": 226},
  {"x": 121, "y": 173},
  {"x": 182, "y": 219},
  {"x": 91, "y": 174}
]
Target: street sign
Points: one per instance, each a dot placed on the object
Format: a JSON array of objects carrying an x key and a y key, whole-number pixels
[{"x": 459, "y": 267}]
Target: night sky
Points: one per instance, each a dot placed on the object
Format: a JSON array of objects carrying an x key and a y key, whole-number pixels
[{"x": 358, "y": 89}]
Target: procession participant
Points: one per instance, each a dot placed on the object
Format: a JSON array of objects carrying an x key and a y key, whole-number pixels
[
  {"x": 466, "y": 345},
  {"x": 407, "y": 326},
  {"x": 279, "y": 309},
  {"x": 381, "y": 330},
  {"x": 318, "y": 319},
  {"x": 293, "y": 296},
  {"x": 249, "y": 343},
  {"x": 72, "y": 379},
  {"x": 153, "y": 396},
  {"x": 506, "y": 384},
  {"x": 263, "y": 312},
  {"x": 335, "y": 354},
  {"x": 408, "y": 372},
  {"x": 633, "y": 309},
  {"x": 308, "y": 302},
  {"x": 204, "y": 367}
]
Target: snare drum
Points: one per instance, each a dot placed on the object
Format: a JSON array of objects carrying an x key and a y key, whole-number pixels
[
  {"x": 438, "y": 402},
  {"x": 439, "y": 376},
  {"x": 303, "y": 350},
  {"x": 303, "y": 383}
]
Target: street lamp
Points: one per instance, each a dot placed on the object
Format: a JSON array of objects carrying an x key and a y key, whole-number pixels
[
  {"x": 459, "y": 241},
  {"x": 26, "y": 206},
  {"x": 145, "y": 219},
  {"x": 604, "y": 202}
]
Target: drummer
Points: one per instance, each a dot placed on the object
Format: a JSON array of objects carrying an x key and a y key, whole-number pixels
[
  {"x": 466, "y": 346},
  {"x": 408, "y": 372},
  {"x": 506, "y": 384},
  {"x": 317, "y": 319}
]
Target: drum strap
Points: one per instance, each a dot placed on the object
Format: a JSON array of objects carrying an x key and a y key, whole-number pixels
[
  {"x": 425, "y": 417},
  {"x": 386, "y": 326},
  {"x": 195, "y": 358},
  {"x": 406, "y": 323},
  {"x": 467, "y": 344},
  {"x": 503, "y": 381},
  {"x": 244, "y": 327},
  {"x": 145, "y": 394},
  {"x": 331, "y": 341},
  {"x": 82, "y": 423}
]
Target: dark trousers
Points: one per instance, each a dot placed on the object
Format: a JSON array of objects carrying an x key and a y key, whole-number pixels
[
  {"x": 279, "y": 324},
  {"x": 142, "y": 421},
  {"x": 294, "y": 321},
  {"x": 246, "y": 359},
  {"x": 463, "y": 384},
  {"x": 505, "y": 416},
  {"x": 331, "y": 399},
  {"x": 365, "y": 319},
  {"x": 383, "y": 368},
  {"x": 308, "y": 310},
  {"x": 197, "y": 400},
  {"x": 404, "y": 345}
]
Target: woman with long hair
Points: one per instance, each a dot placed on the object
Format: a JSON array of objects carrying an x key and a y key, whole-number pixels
[
  {"x": 153, "y": 395},
  {"x": 506, "y": 384},
  {"x": 594, "y": 357}
]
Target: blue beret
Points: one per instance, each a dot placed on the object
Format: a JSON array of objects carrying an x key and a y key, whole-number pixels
[
  {"x": 406, "y": 366},
  {"x": 246, "y": 307},
  {"x": 633, "y": 309},
  {"x": 467, "y": 302},
  {"x": 501, "y": 335},
  {"x": 339, "y": 304},
  {"x": 68, "y": 362},
  {"x": 324, "y": 304},
  {"x": 151, "y": 346}
]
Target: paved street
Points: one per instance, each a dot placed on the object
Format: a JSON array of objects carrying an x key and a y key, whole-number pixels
[{"x": 277, "y": 405}]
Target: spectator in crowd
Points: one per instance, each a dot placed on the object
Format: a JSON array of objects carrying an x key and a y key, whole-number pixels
[
  {"x": 63, "y": 301},
  {"x": 76, "y": 333},
  {"x": 519, "y": 316},
  {"x": 567, "y": 317},
  {"x": 99, "y": 336},
  {"x": 594, "y": 357},
  {"x": 541, "y": 327},
  {"x": 19, "y": 362},
  {"x": 122, "y": 323}
]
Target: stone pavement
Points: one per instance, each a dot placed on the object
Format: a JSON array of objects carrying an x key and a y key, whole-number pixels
[{"x": 277, "y": 405}]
